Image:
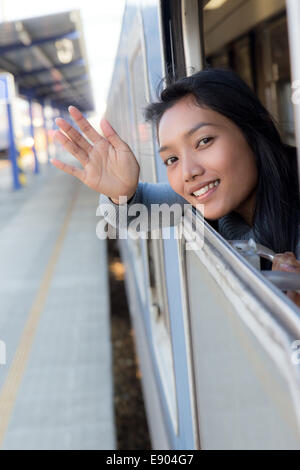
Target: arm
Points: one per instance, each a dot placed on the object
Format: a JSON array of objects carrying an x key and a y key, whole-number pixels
[
  {"x": 146, "y": 194},
  {"x": 111, "y": 169},
  {"x": 108, "y": 164}
]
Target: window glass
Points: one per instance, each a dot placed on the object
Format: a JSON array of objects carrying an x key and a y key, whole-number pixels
[{"x": 261, "y": 59}]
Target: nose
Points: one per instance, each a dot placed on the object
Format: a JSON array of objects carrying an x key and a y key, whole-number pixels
[{"x": 191, "y": 167}]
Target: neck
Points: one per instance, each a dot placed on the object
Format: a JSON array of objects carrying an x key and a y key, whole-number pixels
[{"x": 246, "y": 209}]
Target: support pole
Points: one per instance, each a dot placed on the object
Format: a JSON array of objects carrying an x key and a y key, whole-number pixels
[
  {"x": 13, "y": 153},
  {"x": 46, "y": 130},
  {"x": 36, "y": 162}
]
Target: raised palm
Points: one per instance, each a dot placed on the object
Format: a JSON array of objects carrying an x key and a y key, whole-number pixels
[{"x": 109, "y": 166}]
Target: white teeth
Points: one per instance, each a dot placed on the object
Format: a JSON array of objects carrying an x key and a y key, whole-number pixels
[{"x": 206, "y": 188}]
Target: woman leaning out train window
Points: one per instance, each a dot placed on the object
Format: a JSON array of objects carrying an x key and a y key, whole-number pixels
[{"x": 212, "y": 130}]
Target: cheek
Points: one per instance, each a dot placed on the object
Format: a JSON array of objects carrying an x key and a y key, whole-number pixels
[
  {"x": 175, "y": 180},
  {"x": 245, "y": 172},
  {"x": 237, "y": 163}
]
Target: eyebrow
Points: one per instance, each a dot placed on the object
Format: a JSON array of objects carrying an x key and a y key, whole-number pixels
[{"x": 189, "y": 133}]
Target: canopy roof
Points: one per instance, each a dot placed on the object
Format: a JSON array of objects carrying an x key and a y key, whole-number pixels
[{"x": 47, "y": 57}]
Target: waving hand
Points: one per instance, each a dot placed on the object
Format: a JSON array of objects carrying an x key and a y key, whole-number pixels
[{"x": 109, "y": 166}]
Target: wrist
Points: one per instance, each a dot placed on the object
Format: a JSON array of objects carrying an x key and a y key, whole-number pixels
[{"x": 116, "y": 201}]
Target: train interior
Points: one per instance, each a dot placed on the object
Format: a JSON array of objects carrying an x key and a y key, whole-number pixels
[{"x": 258, "y": 51}]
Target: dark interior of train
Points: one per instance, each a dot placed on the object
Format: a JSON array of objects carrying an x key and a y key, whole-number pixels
[{"x": 261, "y": 58}]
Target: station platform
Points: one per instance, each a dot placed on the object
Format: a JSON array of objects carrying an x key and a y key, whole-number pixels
[{"x": 56, "y": 386}]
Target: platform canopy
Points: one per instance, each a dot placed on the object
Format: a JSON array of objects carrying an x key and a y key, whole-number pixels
[{"x": 47, "y": 57}]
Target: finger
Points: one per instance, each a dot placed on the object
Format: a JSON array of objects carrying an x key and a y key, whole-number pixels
[
  {"x": 288, "y": 254},
  {"x": 288, "y": 267},
  {"x": 111, "y": 135},
  {"x": 287, "y": 257},
  {"x": 84, "y": 125},
  {"x": 290, "y": 259},
  {"x": 276, "y": 261},
  {"x": 285, "y": 263},
  {"x": 67, "y": 144},
  {"x": 75, "y": 136},
  {"x": 291, "y": 294},
  {"x": 71, "y": 170}
]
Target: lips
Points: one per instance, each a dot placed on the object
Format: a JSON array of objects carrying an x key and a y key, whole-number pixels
[
  {"x": 202, "y": 185},
  {"x": 207, "y": 194}
]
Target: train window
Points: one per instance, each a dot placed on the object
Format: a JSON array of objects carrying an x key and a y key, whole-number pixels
[
  {"x": 243, "y": 60},
  {"x": 124, "y": 110},
  {"x": 279, "y": 48},
  {"x": 285, "y": 109},
  {"x": 112, "y": 116},
  {"x": 172, "y": 40},
  {"x": 138, "y": 94},
  {"x": 143, "y": 145},
  {"x": 117, "y": 112},
  {"x": 158, "y": 292},
  {"x": 220, "y": 60},
  {"x": 273, "y": 71},
  {"x": 261, "y": 59}
]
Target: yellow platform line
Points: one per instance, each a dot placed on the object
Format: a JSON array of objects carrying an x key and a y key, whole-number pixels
[{"x": 13, "y": 380}]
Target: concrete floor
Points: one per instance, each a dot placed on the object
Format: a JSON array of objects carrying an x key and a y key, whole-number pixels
[{"x": 56, "y": 387}]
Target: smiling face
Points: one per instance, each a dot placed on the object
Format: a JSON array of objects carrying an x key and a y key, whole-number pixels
[{"x": 200, "y": 146}]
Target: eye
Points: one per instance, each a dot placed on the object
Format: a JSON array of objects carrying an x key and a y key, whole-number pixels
[
  {"x": 166, "y": 162},
  {"x": 205, "y": 141}
]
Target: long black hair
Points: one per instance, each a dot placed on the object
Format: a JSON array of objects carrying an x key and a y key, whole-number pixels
[{"x": 276, "y": 215}]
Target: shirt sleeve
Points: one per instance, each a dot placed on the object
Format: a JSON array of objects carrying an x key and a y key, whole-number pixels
[{"x": 144, "y": 207}]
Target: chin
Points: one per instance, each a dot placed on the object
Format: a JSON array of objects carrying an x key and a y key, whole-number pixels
[
  {"x": 212, "y": 214},
  {"x": 212, "y": 219}
]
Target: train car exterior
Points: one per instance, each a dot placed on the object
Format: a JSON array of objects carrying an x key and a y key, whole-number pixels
[{"x": 217, "y": 341}]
